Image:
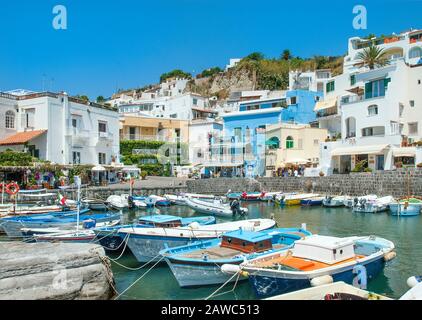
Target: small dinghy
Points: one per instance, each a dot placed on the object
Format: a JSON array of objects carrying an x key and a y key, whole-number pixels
[
  {"x": 294, "y": 199},
  {"x": 245, "y": 196},
  {"x": 146, "y": 243},
  {"x": 406, "y": 207},
  {"x": 217, "y": 207},
  {"x": 373, "y": 206},
  {"x": 108, "y": 236},
  {"x": 118, "y": 202},
  {"x": 94, "y": 204},
  {"x": 200, "y": 263},
  {"x": 316, "y": 260},
  {"x": 333, "y": 201}
]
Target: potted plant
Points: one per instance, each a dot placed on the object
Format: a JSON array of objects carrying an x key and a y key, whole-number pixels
[
  {"x": 419, "y": 165},
  {"x": 321, "y": 174},
  {"x": 399, "y": 164}
]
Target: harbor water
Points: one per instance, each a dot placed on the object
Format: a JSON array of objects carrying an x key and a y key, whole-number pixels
[{"x": 159, "y": 283}]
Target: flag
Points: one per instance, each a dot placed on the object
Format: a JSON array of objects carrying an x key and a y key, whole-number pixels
[{"x": 62, "y": 199}]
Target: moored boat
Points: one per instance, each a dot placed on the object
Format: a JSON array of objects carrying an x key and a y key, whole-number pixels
[
  {"x": 146, "y": 243},
  {"x": 317, "y": 259},
  {"x": 317, "y": 201},
  {"x": 108, "y": 236},
  {"x": 406, "y": 207},
  {"x": 200, "y": 263},
  {"x": 373, "y": 206},
  {"x": 118, "y": 202},
  {"x": 294, "y": 199},
  {"x": 349, "y": 202},
  {"x": 333, "y": 201},
  {"x": 216, "y": 207}
]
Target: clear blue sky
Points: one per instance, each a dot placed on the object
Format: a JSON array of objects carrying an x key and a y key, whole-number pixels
[{"x": 128, "y": 43}]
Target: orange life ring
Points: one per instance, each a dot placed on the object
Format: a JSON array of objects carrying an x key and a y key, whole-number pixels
[{"x": 14, "y": 190}]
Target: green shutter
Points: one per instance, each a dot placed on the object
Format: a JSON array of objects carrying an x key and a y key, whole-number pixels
[
  {"x": 368, "y": 90},
  {"x": 386, "y": 81},
  {"x": 327, "y": 87},
  {"x": 352, "y": 80}
]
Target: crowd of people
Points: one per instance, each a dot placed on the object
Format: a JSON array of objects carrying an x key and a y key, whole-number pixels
[{"x": 296, "y": 171}]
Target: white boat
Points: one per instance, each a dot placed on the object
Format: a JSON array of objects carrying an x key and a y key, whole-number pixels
[
  {"x": 332, "y": 202},
  {"x": 373, "y": 206},
  {"x": 180, "y": 199},
  {"x": 118, "y": 201},
  {"x": 216, "y": 207},
  {"x": 146, "y": 243},
  {"x": 337, "y": 290},
  {"x": 350, "y": 201}
]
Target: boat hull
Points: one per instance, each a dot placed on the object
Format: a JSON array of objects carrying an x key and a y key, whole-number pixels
[
  {"x": 399, "y": 209},
  {"x": 310, "y": 202},
  {"x": 267, "y": 284}
]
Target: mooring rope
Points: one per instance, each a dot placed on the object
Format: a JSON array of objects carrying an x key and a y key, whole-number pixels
[
  {"x": 223, "y": 285},
  {"x": 138, "y": 268},
  {"x": 141, "y": 277}
]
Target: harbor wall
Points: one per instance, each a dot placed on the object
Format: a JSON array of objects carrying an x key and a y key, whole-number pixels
[
  {"x": 64, "y": 271},
  {"x": 397, "y": 183}
]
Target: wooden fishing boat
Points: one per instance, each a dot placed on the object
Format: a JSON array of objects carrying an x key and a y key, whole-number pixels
[
  {"x": 317, "y": 201},
  {"x": 406, "y": 207},
  {"x": 373, "y": 206},
  {"x": 108, "y": 236},
  {"x": 317, "y": 260},
  {"x": 200, "y": 263},
  {"x": 294, "y": 199},
  {"x": 146, "y": 243},
  {"x": 217, "y": 207}
]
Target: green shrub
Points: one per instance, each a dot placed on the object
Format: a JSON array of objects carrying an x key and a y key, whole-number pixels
[
  {"x": 12, "y": 158},
  {"x": 126, "y": 146},
  {"x": 360, "y": 166}
]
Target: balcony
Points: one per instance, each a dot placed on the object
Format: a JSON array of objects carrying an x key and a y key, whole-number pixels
[
  {"x": 150, "y": 138},
  {"x": 105, "y": 136},
  {"x": 78, "y": 136}
]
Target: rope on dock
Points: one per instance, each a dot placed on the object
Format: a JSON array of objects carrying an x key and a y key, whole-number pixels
[
  {"x": 223, "y": 285},
  {"x": 139, "y": 268},
  {"x": 140, "y": 278}
]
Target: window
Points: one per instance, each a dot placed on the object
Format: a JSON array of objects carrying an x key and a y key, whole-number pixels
[
  {"x": 316, "y": 142},
  {"x": 238, "y": 134},
  {"x": 413, "y": 128},
  {"x": 352, "y": 80},
  {"x": 401, "y": 109},
  {"x": 10, "y": 120},
  {"x": 330, "y": 86},
  {"x": 373, "y": 131},
  {"x": 412, "y": 103},
  {"x": 289, "y": 143},
  {"x": 415, "y": 53},
  {"x": 76, "y": 156},
  {"x": 74, "y": 123},
  {"x": 293, "y": 100},
  {"x": 195, "y": 101},
  {"x": 372, "y": 110},
  {"x": 102, "y": 126},
  {"x": 101, "y": 158},
  {"x": 376, "y": 88}
]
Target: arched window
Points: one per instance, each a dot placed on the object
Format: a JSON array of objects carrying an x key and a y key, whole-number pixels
[
  {"x": 10, "y": 119},
  {"x": 373, "y": 110},
  {"x": 415, "y": 53},
  {"x": 289, "y": 142}
]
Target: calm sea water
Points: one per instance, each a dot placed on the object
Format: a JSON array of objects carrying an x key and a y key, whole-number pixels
[{"x": 159, "y": 283}]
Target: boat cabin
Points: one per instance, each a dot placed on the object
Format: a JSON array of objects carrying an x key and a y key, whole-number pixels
[
  {"x": 329, "y": 250},
  {"x": 161, "y": 221},
  {"x": 246, "y": 241}
]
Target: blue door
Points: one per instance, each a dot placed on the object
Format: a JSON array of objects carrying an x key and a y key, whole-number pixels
[{"x": 380, "y": 162}]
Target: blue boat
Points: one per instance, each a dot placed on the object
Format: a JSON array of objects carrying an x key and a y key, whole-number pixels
[
  {"x": 200, "y": 263},
  {"x": 110, "y": 239},
  {"x": 317, "y": 260},
  {"x": 245, "y": 196},
  {"x": 311, "y": 202},
  {"x": 406, "y": 208},
  {"x": 12, "y": 226}
]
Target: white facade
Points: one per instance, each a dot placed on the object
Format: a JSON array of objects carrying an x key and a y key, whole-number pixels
[
  {"x": 232, "y": 63},
  {"x": 76, "y": 133},
  {"x": 8, "y": 116},
  {"x": 309, "y": 80},
  {"x": 374, "y": 115},
  {"x": 202, "y": 135}
]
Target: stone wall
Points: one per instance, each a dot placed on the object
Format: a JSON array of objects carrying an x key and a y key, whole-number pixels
[{"x": 382, "y": 183}]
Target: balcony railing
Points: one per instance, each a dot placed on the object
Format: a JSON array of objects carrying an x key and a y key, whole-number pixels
[
  {"x": 149, "y": 137},
  {"x": 105, "y": 135}
]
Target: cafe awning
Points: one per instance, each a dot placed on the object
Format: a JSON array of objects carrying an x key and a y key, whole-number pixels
[
  {"x": 372, "y": 149},
  {"x": 326, "y": 104},
  {"x": 98, "y": 168},
  {"x": 404, "y": 152},
  {"x": 297, "y": 161}
]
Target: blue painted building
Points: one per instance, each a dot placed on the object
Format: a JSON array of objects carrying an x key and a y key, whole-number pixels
[{"x": 245, "y": 130}]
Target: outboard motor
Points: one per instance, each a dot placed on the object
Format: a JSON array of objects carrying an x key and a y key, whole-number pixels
[
  {"x": 355, "y": 201},
  {"x": 235, "y": 207},
  {"x": 130, "y": 203}
]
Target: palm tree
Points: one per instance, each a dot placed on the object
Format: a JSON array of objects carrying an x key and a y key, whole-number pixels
[
  {"x": 286, "y": 55},
  {"x": 372, "y": 57}
]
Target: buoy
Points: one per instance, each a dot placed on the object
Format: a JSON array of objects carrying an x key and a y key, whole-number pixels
[
  {"x": 319, "y": 281},
  {"x": 389, "y": 256},
  {"x": 413, "y": 281},
  {"x": 230, "y": 268},
  {"x": 12, "y": 188}
]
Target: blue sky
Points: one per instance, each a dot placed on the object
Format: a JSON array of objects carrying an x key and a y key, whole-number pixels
[{"x": 128, "y": 43}]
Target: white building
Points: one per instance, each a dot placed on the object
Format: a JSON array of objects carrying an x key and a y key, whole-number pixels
[
  {"x": 232, "y": 63},
  {"x": 309, "y": 80},
  {"x": 58, "y": 128},
  {"x": 203, "y": 134},
  {"x": 374, "y": 115}
]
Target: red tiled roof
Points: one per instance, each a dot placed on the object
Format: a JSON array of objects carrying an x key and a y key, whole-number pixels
[{"x": 21, "y": 137}]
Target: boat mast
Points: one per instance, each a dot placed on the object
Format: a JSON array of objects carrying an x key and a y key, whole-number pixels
[{"x": 78, "y": 184}]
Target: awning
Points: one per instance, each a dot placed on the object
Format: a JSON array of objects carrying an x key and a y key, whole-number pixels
[
  {"x": 98, "y": 168},
  {"x": 297, "y": 161},
  {"x": 373, "y": 149},
  {"x": 404, "y": 152},
  {"x": 326, "y": 104},
  {"x": 21, "y": 137},
  {"x": 221, "y": 164}
]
